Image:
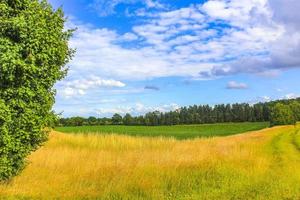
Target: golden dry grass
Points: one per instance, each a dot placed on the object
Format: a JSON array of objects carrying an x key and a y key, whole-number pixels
[{"x": 258, "y": 165}]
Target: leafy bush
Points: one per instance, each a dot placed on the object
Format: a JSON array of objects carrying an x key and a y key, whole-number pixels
[
  {"x": 295, "y": 106},
  {"x": 282, "y": 114},
  {"x": 33, "y": 54}
]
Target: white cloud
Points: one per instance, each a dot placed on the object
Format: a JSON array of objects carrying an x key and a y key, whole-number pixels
[
  {"x": 274, "y": 26},
  {"x": 105, "y": 8},
  {"x": 154, "y": 4},
  {"x": 270, "y": 73},
  {"x": 260, "y": 99},
  {"x": 249, "y": 36},
  {"x": 236, "y": 85},
  {"x": 287, "y": 13},
  {"x": 129, "y": 37},
  {"x": 201, "y": 41},
  {"x": 265, "y": 99},
  {"x": 218, "y": 9},
  {"x": 79, "y": 87},
  {"x": 137, "y": 109},
  {"x": 291, "y": 96},
  {"x": 93, "y": 82},
  {"x": 100, "y": 53},
  {"x": 69, "y": 92}
]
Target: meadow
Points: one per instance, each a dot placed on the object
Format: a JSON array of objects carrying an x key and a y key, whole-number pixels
[
  {"x": 260, "y": 164},
  {"x": 178, "y": 131}
]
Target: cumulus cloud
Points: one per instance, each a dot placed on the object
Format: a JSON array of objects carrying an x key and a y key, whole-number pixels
[
  {"x": 128, "y": 37},
  {"x": 274, "y": 27},
  {"x": 248, "y": 36},
  {"x": 235, "y": 85},
  {"x": 154, "y": 4},
  {"x": 201, "y": 41},
  {"x": 286, "y": 12},
  {"x": 69, "y": 92},
  {"x": 80, "y": 86},
  {"x": 99, "y": 53}
]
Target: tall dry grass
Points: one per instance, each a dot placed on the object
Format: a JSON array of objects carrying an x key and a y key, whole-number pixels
[{"x": 258, "y": 165}]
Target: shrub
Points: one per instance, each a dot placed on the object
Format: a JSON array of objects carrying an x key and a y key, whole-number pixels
[
  {"x": 33, "y": 54},
  {"x": 295, "y": 106},
  {"x": 282, "y": 114}
]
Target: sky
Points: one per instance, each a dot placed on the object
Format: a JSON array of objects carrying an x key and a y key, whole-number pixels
[{"x": 137, "y": 56}]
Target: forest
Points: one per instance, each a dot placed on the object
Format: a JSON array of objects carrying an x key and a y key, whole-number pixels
[{"x": 200, "y": 114}]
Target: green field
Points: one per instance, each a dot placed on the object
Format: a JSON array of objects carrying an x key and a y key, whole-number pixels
[{"x": 178, "y": 131}]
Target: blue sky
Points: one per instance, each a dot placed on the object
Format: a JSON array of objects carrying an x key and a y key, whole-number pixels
[{"x": 136, "y": 56}]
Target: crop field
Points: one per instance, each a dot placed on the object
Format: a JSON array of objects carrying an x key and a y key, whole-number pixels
[
  {"x": 261, "y": 164},
  {"x": 179, "y": 131}
]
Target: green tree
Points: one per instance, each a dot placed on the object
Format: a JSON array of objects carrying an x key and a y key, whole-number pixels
[
  {"x": 281, "y": 114},
  {"x": 77, "y": 121},
  {"x": 92, "y": 121},
  {"x": 140, "y": 120},
  {"x": 295, "y": 106},
  {"x": 33, "y": 54},
  {"x": 116, "y": 119},
  {"x": 127, "y": 119}
]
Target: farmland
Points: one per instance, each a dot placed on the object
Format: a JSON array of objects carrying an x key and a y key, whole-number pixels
[
  {"x": 179, "y": 131},
  {"x": 149, "y": 100},
  {"x": 260, "y": 164}
]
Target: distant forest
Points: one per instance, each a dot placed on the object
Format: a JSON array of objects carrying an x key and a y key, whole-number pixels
[{"x": 196, "y": 114}]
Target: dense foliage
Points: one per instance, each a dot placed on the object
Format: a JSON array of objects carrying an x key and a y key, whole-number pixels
[
  {"x": 33, "y": 53},
  {"x": 284, "y": 114},
  {"x": 203, "y": 114}
]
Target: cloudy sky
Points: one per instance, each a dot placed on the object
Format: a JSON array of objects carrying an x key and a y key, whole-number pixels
[{"x": 141, "y": 55}]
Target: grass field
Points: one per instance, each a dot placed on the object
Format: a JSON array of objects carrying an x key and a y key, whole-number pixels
[
  {"x": 257, "y": 165},
  {"x": 179, "y": 132}
]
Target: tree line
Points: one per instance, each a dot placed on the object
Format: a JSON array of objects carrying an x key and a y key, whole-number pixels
[{"x": 202, "y": 114}]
